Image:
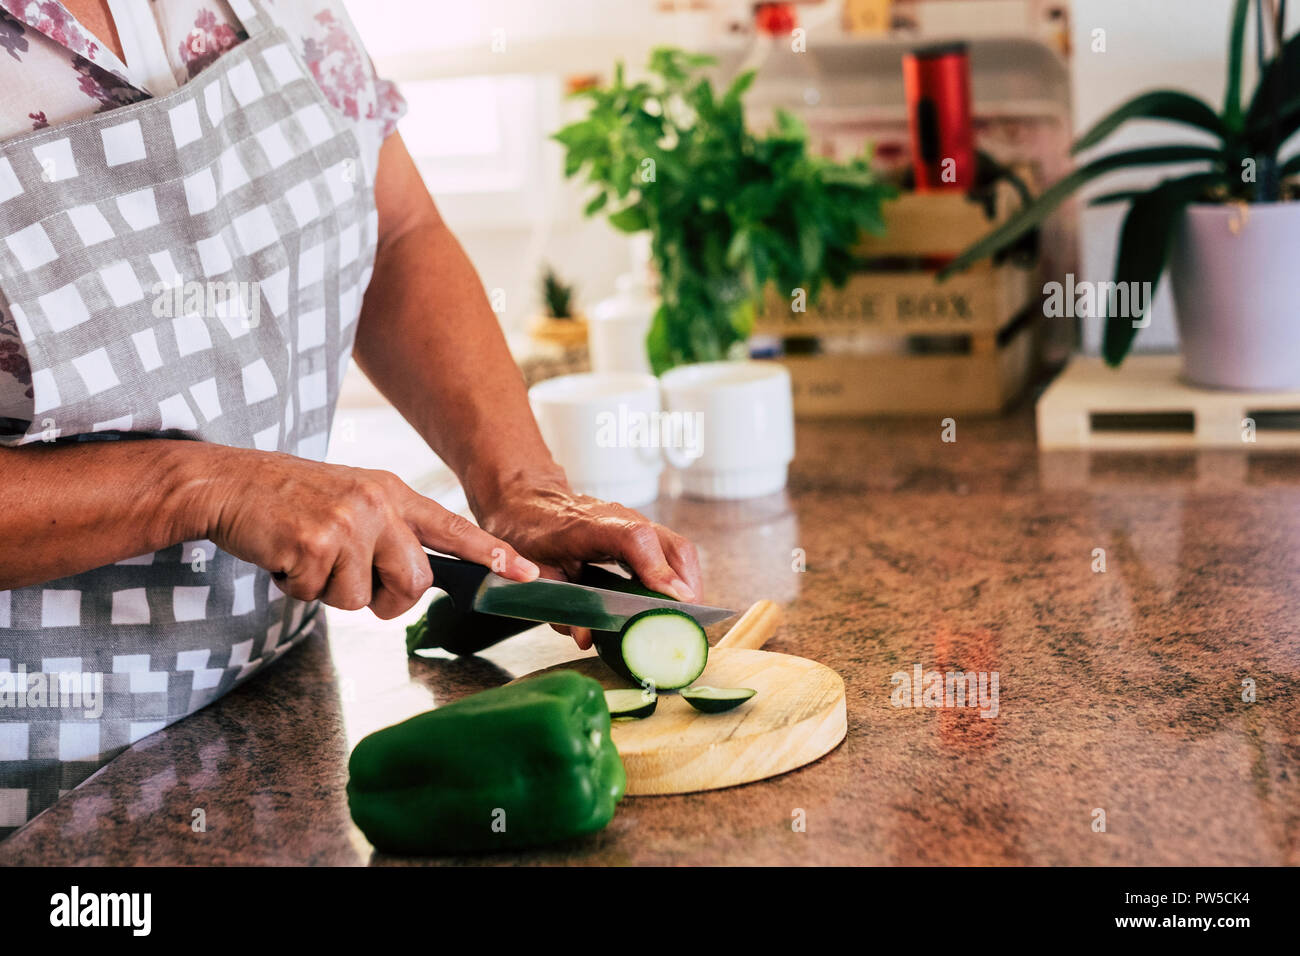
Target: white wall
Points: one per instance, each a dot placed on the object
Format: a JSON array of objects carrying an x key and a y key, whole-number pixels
[
  {"x": 1150, "y": 44},
  {"x": 484, "y": 148}
]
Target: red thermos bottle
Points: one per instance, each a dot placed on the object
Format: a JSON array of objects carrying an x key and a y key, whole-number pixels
[{"x": 936, "y": 84}]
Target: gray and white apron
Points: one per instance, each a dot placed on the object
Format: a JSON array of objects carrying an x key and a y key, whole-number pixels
[{"x": 190, "y": 266}]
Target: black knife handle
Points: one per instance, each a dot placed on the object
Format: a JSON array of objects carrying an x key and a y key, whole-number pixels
[
  {"x": 460, "y": 579},
  {"x": 453, "y": 624}
]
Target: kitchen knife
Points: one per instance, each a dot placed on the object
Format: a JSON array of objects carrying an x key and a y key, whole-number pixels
[{"x": 606, "y": 608}]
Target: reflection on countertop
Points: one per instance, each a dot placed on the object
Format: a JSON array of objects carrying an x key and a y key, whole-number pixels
[{"x": 1121, "y": 690}]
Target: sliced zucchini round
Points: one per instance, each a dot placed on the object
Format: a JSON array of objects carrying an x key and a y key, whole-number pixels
[
  {"x": 661, "y": 648},
  {"x": 631, "y": 704},
  {"x": 715, "y": 700}
]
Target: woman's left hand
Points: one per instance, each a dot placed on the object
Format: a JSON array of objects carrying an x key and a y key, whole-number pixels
[{"x": 560, "y": 530}]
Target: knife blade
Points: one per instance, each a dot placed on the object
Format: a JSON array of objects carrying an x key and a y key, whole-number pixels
[{"x": 553, "y": 602}]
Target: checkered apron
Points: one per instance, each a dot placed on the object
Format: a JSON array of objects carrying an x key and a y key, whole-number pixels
[{"x": 190, "y": 266}]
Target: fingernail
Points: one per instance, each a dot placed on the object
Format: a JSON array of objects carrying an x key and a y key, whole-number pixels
[
  {"x": 681, "y": 590},
  {"x": 527, "y": 567}
]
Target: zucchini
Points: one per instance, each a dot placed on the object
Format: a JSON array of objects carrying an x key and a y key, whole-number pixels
[
  {"x": 661, "y": 649},
  {"x": 460, "y": 631},
  {"x": 631, "y": 704},
  {"x": 716, "y": 700}
]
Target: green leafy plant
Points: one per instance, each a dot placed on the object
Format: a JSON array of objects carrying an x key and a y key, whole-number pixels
[
  {"x": 729, "y": 210},
  {"x": 557, "y": 294},
  {"x": 1242, "y": 164}
]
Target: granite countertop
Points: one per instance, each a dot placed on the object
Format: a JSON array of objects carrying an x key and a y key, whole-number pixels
[{"x": 1120, "y": 691}]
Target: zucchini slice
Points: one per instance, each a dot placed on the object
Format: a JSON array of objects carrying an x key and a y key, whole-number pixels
[
  {"x": 661, "y": 648},
  {"x": 716, "y": 700},
  {"x": 631, "y": 704}
]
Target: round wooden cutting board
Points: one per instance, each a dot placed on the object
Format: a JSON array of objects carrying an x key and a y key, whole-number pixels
[{"x": 797, "y": 716}]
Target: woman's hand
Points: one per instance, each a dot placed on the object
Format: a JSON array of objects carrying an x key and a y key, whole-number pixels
[
  {"x": 561, "y": 530},
  {"x": 348, "y": 536}
]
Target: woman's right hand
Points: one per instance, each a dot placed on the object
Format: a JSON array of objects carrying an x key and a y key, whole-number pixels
[{"x": 350, "y": 537}]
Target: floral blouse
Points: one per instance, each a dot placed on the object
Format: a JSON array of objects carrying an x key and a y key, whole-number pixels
[{"x": 53, "y": 71}]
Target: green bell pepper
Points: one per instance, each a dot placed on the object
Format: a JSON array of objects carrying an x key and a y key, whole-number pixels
[{"x": 515, "y": 766}]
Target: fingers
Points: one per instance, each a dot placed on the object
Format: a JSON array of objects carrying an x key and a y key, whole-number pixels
[
  {"x": 440, "y": 529},
  {"x": 684, "y": 559},
  {"x": 350, "y": 581},
  {"x": 306, "y": 574},
  {"x": 401, "y": 573},
  {"x": 681, "y": 578},
  {"x": 581, "y": 635},
  {"x": 635, "y": 541},
  {"x": 330, "y": 547}
]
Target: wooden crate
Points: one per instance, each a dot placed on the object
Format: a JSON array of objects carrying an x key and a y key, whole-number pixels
[
  {"x": 842, "y": 386},
  {"x": 887, "y": 314},
  {"x": 1144, "y": 404},
  {"x": 978, "y": 302},
  {"x": 934, "y": 224}
]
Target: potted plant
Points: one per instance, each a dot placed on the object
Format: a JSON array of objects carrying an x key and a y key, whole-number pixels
[
  {"x": 728, "y": 210},
  {"x": 1230, "y": 231},
  {"x": 559, "y": 324}
]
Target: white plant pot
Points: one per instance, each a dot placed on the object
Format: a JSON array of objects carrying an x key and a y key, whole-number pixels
[{"x": 1235, "y": 275}]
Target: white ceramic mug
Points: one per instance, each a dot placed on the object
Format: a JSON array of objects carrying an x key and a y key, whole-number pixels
[
  {"x": 743, "y": 414},
  {"x": 598, "y": 426}
]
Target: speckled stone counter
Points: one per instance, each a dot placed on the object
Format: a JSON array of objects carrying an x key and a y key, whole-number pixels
[{"x": 1120, "y": 691}]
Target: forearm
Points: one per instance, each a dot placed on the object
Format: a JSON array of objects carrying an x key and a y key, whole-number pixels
[
  {"x": 430, "y": 342},
  {"x": 73, "y": 507}
]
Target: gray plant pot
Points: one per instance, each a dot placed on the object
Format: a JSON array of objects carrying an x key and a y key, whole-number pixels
[{"x": 1235, "y": 275}]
